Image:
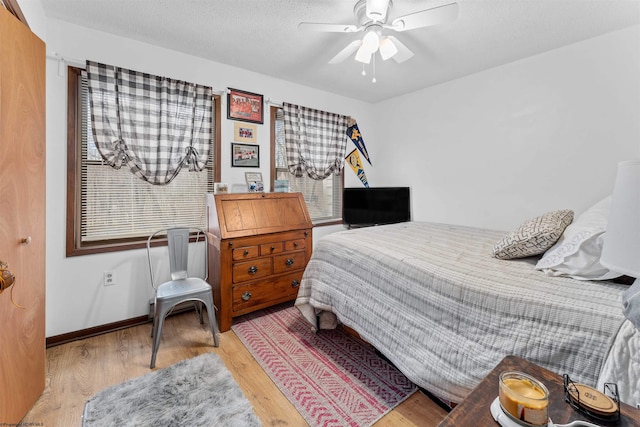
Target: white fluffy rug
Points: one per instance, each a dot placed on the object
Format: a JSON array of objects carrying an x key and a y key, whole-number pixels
[{"x": 194, "y": 392}]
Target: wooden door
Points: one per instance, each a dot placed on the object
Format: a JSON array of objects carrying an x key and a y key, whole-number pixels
[{"x": 22, "y": 217}]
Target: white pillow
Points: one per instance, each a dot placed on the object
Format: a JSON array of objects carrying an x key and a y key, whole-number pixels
[{"x": 577, "y": 253}]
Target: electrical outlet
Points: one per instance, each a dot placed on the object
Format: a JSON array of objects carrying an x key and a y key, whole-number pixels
[{"x": 109, "y": 278}]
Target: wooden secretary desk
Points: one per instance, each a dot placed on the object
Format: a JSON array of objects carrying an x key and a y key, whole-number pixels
[{"x": 259, "y": 246}]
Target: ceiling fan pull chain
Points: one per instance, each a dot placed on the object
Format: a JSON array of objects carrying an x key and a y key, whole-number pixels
[{"x": 373, "y": 80}]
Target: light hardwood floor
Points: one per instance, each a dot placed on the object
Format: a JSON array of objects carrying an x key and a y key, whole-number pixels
[{"x": 77, "y": 370}]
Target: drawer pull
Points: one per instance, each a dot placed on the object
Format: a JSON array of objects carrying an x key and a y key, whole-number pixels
[
  {"x": 295, "y": 244},
  {"x": 246, "y": 252},
  {"x": 273, "y": 248},
  {"x": 295, "y": 283},
  {"x": 289, "y": 262},
  {"x": 246, "y": 296},
  {"x": 253, "y": 269}
]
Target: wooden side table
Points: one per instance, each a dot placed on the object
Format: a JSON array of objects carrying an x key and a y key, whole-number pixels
[{"x": 474, "y": 410}]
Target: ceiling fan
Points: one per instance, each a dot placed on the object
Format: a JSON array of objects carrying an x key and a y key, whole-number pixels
[{"x": 372, "y": 17}]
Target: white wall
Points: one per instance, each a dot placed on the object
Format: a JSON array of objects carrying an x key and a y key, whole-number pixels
[
  {"x": 76, "y": 298},
  {"x": 34, "y": 14},
  {"x": 512, "y": 142}
]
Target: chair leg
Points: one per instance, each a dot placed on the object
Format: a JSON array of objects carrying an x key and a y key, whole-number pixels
[
  {"x": 155, "y": 315},
  {"x": 214, "y": 326},
  {"x": 158, "y": 322},
  {"x": 198, "y": 305},
  {"x": 212, "y": 321},
  {"x": 155, "y": 344}
]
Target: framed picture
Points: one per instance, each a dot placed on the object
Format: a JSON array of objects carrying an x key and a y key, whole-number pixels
[
  {"x": 245, "y": 106},
  {"x": 254, "y": 182},
  {"x": 245, "y": 155},
  {"x": 220, "y": 188},
  {"x": 244, "y": 132}
]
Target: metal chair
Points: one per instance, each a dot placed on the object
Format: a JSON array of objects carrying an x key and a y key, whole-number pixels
[{"x": 181, "y": 287}]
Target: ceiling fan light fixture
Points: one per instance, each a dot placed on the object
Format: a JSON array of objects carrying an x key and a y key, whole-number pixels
[
  {"x": 371, "y": 41},
  {"x": 387, "y": 49},
  {"x": 371, "y": 17},
  {"x": 403, "y": 54},
  {"x": 363, "y": 55}
]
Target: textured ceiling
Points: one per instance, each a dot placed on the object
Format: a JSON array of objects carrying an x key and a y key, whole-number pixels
[{"x": 262, "y": 35}]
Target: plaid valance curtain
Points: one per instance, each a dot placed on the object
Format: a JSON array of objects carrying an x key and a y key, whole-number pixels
[
  {"x": 155, "y": 125},
  {"x": 315, "y": 141}
]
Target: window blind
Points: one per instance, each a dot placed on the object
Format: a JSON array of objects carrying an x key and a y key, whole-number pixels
[{"x": 115, "y": 204}]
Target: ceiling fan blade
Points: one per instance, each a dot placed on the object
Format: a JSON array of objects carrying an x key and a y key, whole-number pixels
[
  {"x": 403, "y": 52},
  {"x": 328, "y": 28},
  {"x": 426, "y": 18},
  {"x": 346, "y": 52}
]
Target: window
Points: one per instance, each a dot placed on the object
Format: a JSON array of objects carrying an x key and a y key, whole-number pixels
[
  {"x": 323, "y": 198},
  {"x": 111, "y": 209}
]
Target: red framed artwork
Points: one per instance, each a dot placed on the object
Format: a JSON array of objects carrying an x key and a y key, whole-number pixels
[{"x": 245, "y": 106}]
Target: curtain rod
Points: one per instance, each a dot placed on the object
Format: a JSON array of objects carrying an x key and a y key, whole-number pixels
[
  {"x": 71, "y": 61},
  {"x": 80, "y": 63},
  {"x": 270, "y": 101}
]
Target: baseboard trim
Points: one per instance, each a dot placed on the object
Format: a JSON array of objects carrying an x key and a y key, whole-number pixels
[
  {"x": 112, "y": 327},
  {"x": 96, "y": 330}
]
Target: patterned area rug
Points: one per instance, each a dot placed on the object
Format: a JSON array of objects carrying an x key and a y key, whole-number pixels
[
  {"x": 195, "y": 392},
  {"x": 330, "y": 377}
]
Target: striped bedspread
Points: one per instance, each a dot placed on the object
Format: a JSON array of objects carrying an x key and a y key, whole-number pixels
[{"x": 432, "y": 299}]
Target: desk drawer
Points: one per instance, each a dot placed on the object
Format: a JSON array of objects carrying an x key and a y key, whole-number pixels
[
  {"x": 295, "y": 245},
  {"x": 245, "y": 253},
  {"x": 289, "y": 262},
  {"x": 271, "y": 248},
  {"x": 251, "y": 270},
  {"x": 264, "y": 291}
]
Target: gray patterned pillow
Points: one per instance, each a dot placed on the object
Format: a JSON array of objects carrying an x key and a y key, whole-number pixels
[{"x": 534, "y": 236}]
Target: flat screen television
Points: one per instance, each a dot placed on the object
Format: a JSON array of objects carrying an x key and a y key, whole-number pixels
[{"x": 363, "y": 207}]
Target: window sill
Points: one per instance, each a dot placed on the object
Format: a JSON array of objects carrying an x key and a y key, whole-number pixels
[
  {"x": 323, "y": 223},
  {"x": 116, "y": 246},
  {"x": 100, "y": 248}
]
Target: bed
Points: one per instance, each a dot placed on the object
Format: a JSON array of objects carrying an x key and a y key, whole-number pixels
[{"x": 434, "y": 301}]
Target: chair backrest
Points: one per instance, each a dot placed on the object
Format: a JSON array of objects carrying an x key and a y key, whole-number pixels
[
  {"x": 178, "y": 241},
  {"x": 178, "y": 246}
]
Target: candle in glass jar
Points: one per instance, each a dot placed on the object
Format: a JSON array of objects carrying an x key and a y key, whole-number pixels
[{"x": 524, "y": 398}]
